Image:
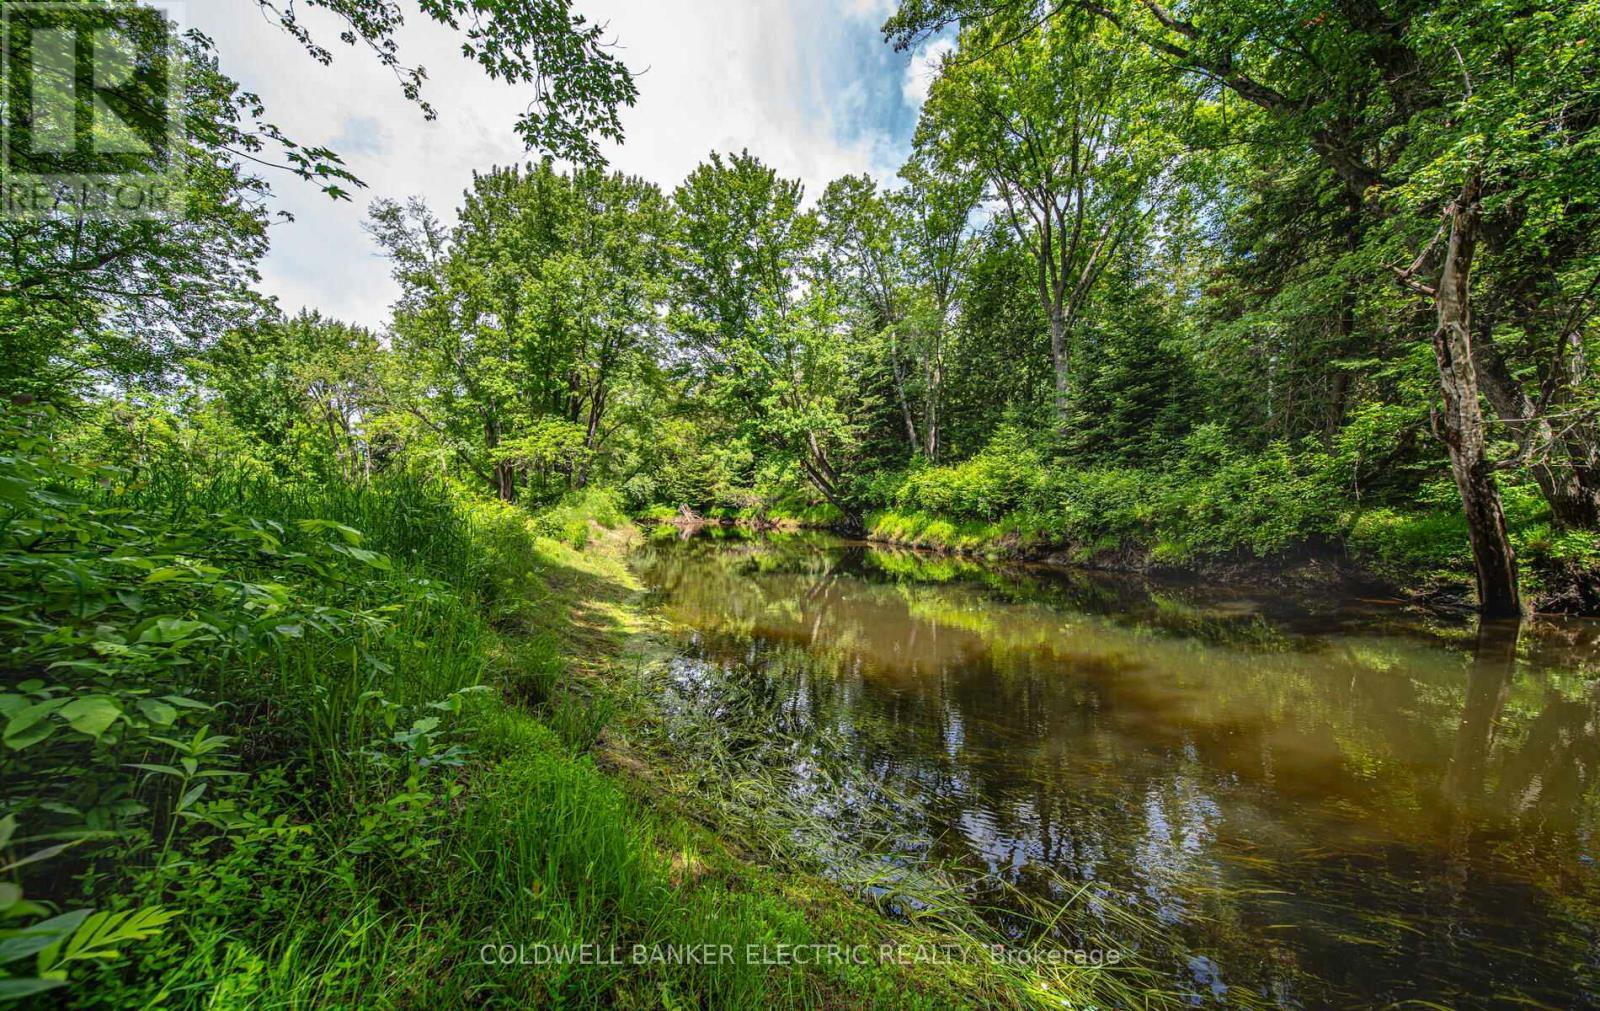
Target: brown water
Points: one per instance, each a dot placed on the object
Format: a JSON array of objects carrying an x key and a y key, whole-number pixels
[{"x": 1324, "y": 802}]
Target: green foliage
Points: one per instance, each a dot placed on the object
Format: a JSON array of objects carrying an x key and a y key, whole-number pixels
[
  {"x": 525, "y": 334},
  {"x": 161, "y": 652},
  {"x": 578, "y": 84},
  {"x": 299, "y": 388},
  {"x": 1207, "y": 499},
  {"x": 764, "y": 316},
  {"x": 1136, "y": 392},
  {"x": 287, "y": 713},
  {"x": 998, "y": 480},
  {"x": 86, "y": 298}
]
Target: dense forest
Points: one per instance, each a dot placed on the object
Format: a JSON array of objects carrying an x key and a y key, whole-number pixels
[{"x": 1188, "y": 287}]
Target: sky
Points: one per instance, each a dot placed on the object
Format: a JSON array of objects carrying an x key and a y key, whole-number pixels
[{"x": 809, "y": 86}]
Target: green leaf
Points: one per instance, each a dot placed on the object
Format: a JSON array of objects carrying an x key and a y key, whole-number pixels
[
  {"x": 184, "y": 702},
  {"x": 91, "y": 715},
  {"x": 31, "y": 736},
  {"x": 158, "y": 713},
  {"x": 99, "y": 936},
  {"x": 38, "y": 855},
  {"x": 351, "y": 535},
  {"x": 16, "y": 989},
  {"x": 372, "y": 558},
  {"x": 30, "y": 716},
  {"x": 39, "y": 936},
  {"x": 165, "y": 630},
  {"x": 192, "y": 795},
  {"x": 14, "y": 489},
  {"x": 165, "y": 770}
]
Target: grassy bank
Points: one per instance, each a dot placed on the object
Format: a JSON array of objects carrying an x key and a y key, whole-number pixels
[
  {"x": 276, "y": 744},
  {"x": 1214, "y": 508}
]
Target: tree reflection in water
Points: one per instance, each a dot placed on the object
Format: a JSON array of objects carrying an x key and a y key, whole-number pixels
[{"x": 1328, "y": 801}]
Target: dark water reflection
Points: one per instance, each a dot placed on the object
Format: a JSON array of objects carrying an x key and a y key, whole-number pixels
[{"x": 1330, "y": 802}]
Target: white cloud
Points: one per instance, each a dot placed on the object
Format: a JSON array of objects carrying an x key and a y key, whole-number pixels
[
  {"x": 783, "y": 78},
  {"x": 922, "y": 69},
  {"x": 876, "y": 11}
]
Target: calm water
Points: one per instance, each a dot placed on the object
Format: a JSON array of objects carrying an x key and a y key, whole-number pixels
[{"x": 1327, "y": 802}]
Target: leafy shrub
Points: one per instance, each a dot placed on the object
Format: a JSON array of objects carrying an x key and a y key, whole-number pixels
[
  {"x": 990, "y": 484},
  {"x": 156, "y": 660},
  {"x": 1210, "y": 498}
]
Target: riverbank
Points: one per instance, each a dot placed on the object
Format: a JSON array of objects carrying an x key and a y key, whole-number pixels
[
  {"x": 1374, "y": 558},
  {"x": 1382, "y": 552},
  {"x": 374, "y": 745},
  {"x": 1307, "y": 514}
]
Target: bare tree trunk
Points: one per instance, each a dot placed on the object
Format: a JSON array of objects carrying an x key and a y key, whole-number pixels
[
  {"x": 597, "y": 407},
  {"x": 1461, "y": 423}
]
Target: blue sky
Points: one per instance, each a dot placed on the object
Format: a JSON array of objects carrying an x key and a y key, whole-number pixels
[{"x": 807, "y": 85}]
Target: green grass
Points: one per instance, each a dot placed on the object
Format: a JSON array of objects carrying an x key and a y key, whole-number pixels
[{"x": 1012, "y": 535}]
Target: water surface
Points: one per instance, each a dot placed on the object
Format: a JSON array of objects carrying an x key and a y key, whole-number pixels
[{"x": 1329, "y": 801}]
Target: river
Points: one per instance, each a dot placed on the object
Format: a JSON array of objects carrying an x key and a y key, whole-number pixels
[{"x": 1321, "y": 800}]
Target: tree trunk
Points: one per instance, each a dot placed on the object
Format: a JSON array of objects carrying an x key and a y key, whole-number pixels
[
  {"x": 930, "y": 408},
  {"x": 505, "y": 480},
  {"x": 851, "y": 521},
  {"x": 1580, "y": 440},
  {"x": 597, "y": 406},
  {"x": 1565, "y": 467},
  {"x": 900, "y": 392},
  {"x": 1059, "y": 359},
  {"x": 503, "y": 474},
  {"x": 1461, "y": 423},
  {"x": 814, "y": 461}
]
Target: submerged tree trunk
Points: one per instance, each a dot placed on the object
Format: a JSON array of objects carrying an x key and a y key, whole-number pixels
[{"x": 1461, "y": 422}]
